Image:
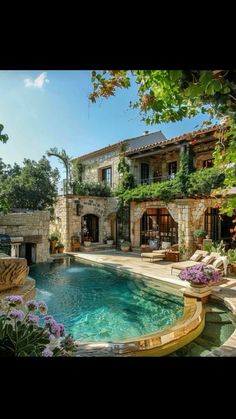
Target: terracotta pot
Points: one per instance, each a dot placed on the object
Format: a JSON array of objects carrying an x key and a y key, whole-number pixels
[
  {"x": 234, "y": 268},
  {"x": 125, "y": 248},
  {"x": 199, "y": 288},
  {"x": 52, "y": 245},
  {"x": 87, "y": 243}
]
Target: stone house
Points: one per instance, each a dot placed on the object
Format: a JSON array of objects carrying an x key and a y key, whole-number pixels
[{"x": 152, "y": 158}]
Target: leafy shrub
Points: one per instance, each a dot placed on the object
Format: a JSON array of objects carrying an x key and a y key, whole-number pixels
[
  {"x": 204, "y": 181},
  {"x": 199, "y": 233},
  {"x": 21, "y": 333},
  {"x": 231, "y": 254},
  {"x": 92, "y": 189}
]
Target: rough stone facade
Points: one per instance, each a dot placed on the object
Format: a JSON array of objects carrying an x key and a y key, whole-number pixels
[
  {"x": 93, "y": 167},
  {"x": 188, "y": 213},
  {"x": 33, "y": 227},
  {"x": 67, "y": 223}
]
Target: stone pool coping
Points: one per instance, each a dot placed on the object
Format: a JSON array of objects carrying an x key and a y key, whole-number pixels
[
  {"x": 159, "y": 343},
  {"x": 224, "y": 293}
]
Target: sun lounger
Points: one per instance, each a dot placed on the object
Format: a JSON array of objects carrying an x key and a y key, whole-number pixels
[
  {"x": 153, "y": 256},
  {"x": 194, "y": 260},
  {"x": 217, "y": 262}
]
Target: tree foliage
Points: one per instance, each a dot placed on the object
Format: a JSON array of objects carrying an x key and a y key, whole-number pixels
[
  {"x": 3, "y": 137},
  {"x": 32, "y": 186},
  {"x": 171, "y": 95}
]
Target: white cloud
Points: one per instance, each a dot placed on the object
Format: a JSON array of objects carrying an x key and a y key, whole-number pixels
[{"x": 38, "y": 82}]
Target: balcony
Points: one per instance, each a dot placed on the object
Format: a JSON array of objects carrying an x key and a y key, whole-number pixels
[{"x": 150, "y": 180}]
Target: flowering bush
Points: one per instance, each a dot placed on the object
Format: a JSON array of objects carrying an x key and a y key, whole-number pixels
[
  {"x": 200, "y": 274},
  {"x": 22, "y": 335}
]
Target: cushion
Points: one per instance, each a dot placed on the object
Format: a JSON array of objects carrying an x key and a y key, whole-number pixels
[
  {"x": 218, "y": 262},
  {"x": 196, "y": 257},
  {"x": 208, "y": 259}
]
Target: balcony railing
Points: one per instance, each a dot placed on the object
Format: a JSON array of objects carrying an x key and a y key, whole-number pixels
[{"x": 150, "y": 180}]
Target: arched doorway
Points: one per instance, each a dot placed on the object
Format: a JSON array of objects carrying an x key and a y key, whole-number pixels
[
  {"x": 90, "y": 222},
  {"x": 158, "y": 224}
]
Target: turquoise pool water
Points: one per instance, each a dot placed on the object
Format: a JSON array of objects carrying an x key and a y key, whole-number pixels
[{"x": 99, "y": 304}]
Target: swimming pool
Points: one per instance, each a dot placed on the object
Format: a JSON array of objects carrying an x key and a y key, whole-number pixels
[{"x": 98, "y": 304}]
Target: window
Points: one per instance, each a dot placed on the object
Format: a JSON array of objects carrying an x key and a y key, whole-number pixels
[
  {"x": 107, "y": 175},
  {"x": 207, "y": 163},
  {"x": 144, "y": 173},
  {"x": 172, "y": 168},
  {"x": 158, "y": 224}
]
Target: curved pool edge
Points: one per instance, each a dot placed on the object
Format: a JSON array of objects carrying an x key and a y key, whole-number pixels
[
  {"x": 158, "y": 343},
  {"x": 228, "y": 348}
]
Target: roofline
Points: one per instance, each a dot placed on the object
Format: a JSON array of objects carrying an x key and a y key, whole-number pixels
[
  {"x": 187, "y": 137},
  {"x": 110, "y": 147},
  {"x": 100, "y": 151}
]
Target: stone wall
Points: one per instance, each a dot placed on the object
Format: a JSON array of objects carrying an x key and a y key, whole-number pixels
[
  {"x": 67, "y": 223},
  {"x": 32, "y": 226},
  {"x": 94, "y": 166}
]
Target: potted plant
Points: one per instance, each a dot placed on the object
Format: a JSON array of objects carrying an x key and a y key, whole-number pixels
[
  {"x": 53, "y": 240},
  {"x": 200, "y": 275},
  {"x": 87, "y": 241},
  {"x": 109, "y": 240},
  {"x": 200, "y": 234},
  {"x": 125, "y": 246},
  {"x": 60, "y": 247},
  {"x": 231, "y": 255}
]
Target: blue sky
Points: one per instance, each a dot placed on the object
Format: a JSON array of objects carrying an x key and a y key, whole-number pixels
[{"x": 44, "y": 109}]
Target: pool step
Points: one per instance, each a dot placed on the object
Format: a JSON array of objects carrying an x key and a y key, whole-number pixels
[{"x": 96, "y": 247}]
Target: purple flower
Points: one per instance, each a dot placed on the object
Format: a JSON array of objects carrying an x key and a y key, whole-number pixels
[
  {"x": 17, "y": 314},
  {"x": 32, "y": 305},
  {"x": 46, "y": 352},
  {"x": 14, "y": 300},
  {"x": 55, "y": 329},
  {"x": 199, "y": 274},
  {"x": 62, "y": 329},
  {"x": 42, "y": 307},
  {"x": 32, "y": 318},
  {"x": 48, "y": 319}
]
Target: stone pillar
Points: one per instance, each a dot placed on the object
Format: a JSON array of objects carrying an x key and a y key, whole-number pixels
[
  {"x": 184, "y": 229},
  {"x": 136, "y": 212},
  {"x": 15, "y": 250}
]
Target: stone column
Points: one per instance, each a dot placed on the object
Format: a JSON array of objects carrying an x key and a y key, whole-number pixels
[{"x": 15, "y": 250}]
